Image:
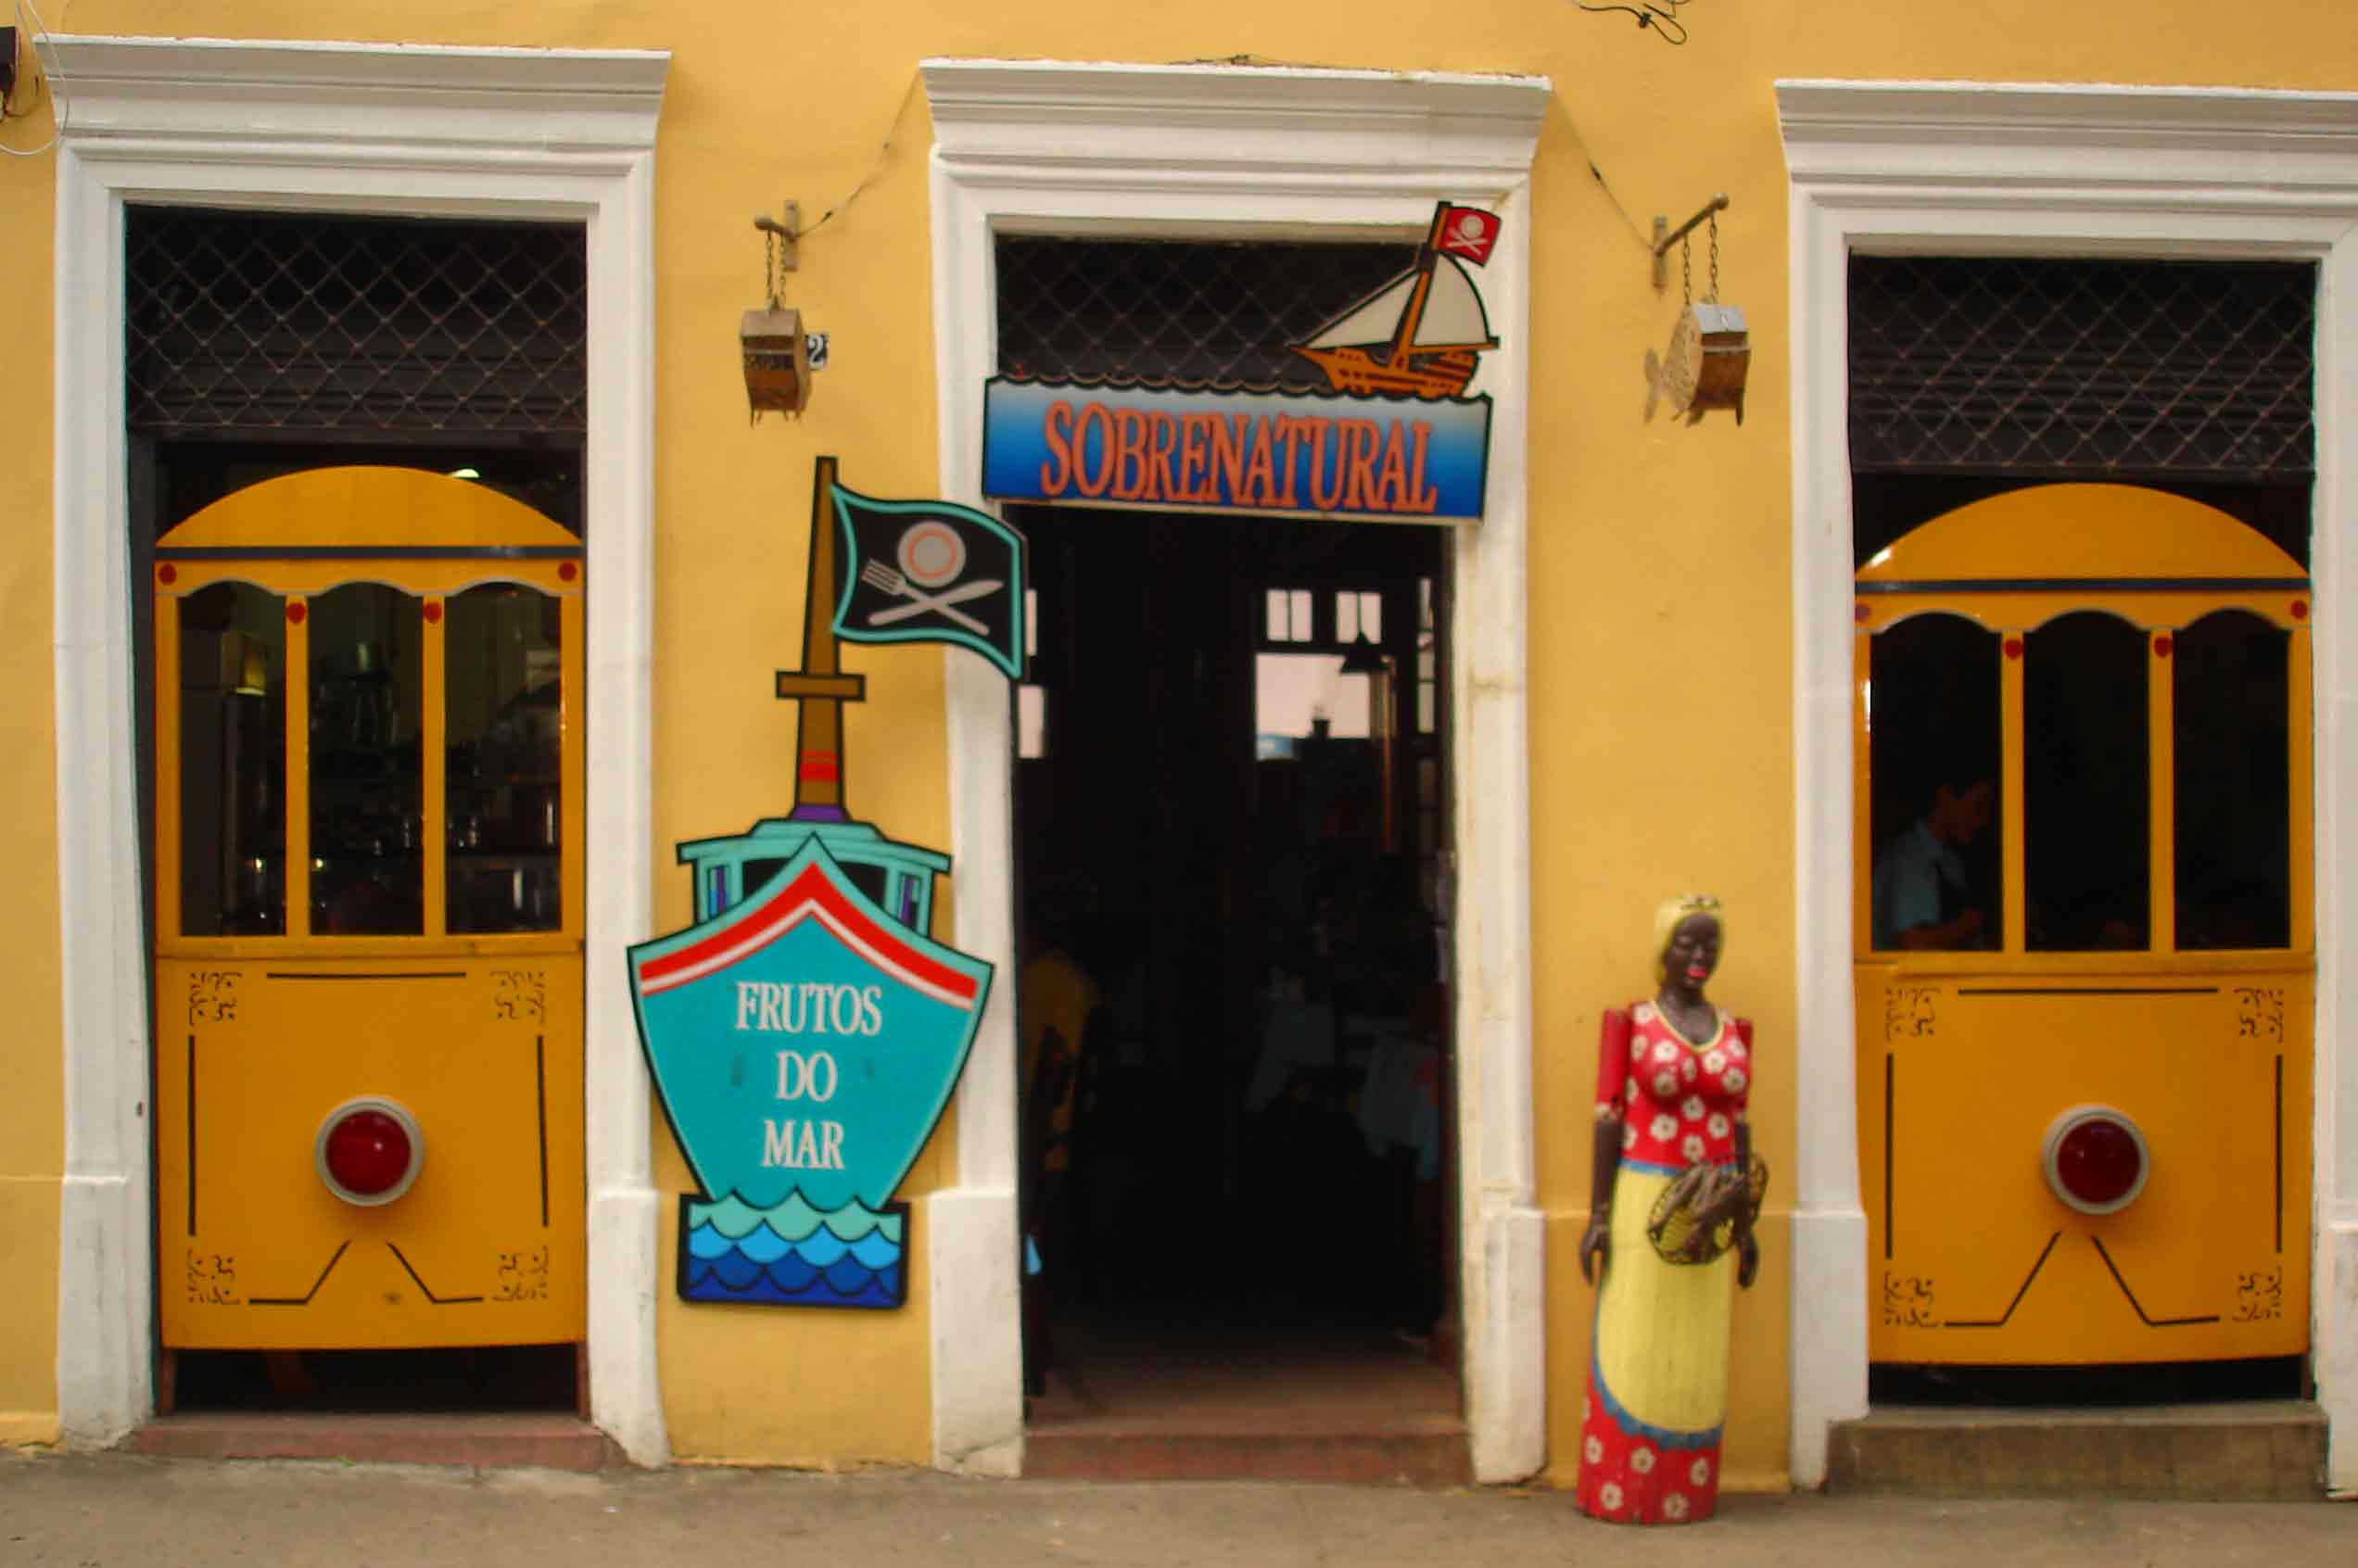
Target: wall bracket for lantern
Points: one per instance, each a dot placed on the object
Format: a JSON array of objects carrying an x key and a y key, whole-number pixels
[{"x": 1665, "y": 236}]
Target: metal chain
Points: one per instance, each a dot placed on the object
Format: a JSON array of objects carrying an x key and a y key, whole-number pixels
[
  {"x": 1686, "y": 271},
  {"x": 773, "y": 275},
  {"x": 1713, "y": 295}
]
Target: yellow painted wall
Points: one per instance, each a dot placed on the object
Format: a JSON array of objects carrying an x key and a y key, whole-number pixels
[
  {"x": 1659, "y": 554},
  {"x": 32, "y": 1066}
]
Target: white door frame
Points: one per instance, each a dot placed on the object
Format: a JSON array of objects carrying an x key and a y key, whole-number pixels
[
  {"x": 1976, "y": 168},
  {"x": 1229, "y": 152},
  {"x": 338, "y": 128}
]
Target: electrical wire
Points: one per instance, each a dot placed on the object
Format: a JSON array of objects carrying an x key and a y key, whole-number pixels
[
  {"x": 1660, "y": 15},
  {"x": 37, "y": 36},
  {"x": 882, "y": 153},
  {"x": 1635, "y": 232}
]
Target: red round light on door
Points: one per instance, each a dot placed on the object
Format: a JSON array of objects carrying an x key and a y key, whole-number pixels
[
  {"x": 369, "y": 1151},
  {"x": 2096, "y": 1159}
]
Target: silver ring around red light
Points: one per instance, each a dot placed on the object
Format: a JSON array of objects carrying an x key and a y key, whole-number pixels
[
  {"x": 398, "y": 1113},
  {"x": 2051, "y": 1148}
]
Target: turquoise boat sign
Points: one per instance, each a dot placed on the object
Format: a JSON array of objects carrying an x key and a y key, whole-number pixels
[{"x": 803, "y": 1044}]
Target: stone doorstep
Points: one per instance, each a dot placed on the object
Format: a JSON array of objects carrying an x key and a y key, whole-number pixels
[
  {"x": 501, "y": 1441},
  {"x": 1423, "y": 1460},
  {"x": 2263, "y": 1451}
]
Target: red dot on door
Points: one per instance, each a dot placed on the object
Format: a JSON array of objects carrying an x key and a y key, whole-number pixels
[
  {"x": 567, "y": 571},
  {"x": 295, "y": 613},
  {"x": 432, "y": 610},
  {"x": 167, "y": 573},
  {"x": 2013, "y": 647},
  {"x": 2162, "y": 645}
]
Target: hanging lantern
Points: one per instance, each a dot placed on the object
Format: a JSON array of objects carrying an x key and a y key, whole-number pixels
[
  {"x": 778, "y": 369},
  {"x": 1705, "y": 367},
  {"x": 778, "y": 361}
]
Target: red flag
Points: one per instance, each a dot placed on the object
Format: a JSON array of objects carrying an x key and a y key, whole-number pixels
[{"x": 1467, "y": 231}]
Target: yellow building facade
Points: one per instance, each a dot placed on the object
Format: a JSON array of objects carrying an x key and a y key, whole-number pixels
[{"x": 1654, "y": 626}]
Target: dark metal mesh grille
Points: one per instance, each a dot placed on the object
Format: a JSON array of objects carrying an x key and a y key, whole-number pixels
[
  {"x": 2128, "y": 368},
  {"x": 1162, "y": 311},
  {"x": 247, "y": 323}
]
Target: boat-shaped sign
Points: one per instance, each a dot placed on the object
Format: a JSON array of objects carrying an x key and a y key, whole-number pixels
[{"x": 803, "y": 1044}]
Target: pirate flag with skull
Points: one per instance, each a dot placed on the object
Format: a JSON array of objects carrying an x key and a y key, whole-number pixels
[{"x": 930, "y": 571}]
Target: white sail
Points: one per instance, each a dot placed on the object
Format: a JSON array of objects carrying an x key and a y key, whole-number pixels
[
  {"x": 1452, "y": 318},
  {"x": 1373, "y": 322}
]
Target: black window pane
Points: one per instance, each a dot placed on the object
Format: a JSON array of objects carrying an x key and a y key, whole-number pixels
[
  {"x": 2087, "y": 799},
  {"x": 367, "y": 790},
  {"x": 2234, "y": 829},
  {"x": 1933, "y": 746},
  {"x": 502, "y": 652},
  {"x": 233, "y": 761}
]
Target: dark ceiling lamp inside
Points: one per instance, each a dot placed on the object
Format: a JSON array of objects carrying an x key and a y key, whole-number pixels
[{"x": 1364, "y": 658}]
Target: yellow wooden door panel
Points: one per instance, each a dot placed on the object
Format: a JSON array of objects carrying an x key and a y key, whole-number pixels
[
  {"x": 1967, "y": 1058},
  {"x": 465, "y": 1016},
  {"x": 1980, "y": 1262},
  {"x": 484, "y": 1248}
]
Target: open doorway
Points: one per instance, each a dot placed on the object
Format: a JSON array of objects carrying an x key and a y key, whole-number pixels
[{"x": 1232, "y": 826}]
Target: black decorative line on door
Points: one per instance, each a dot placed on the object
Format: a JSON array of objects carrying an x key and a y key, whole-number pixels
[
  {"x": 2087, "y": 991},
  {"x": 2280, "y": 1154},
  {"x": 304, "y": 1300},
  {"x": 2142, "y": 1316},
  {"x": 427, "y": 1289},
  {"x": 1887, "y": 1155},
  {"x": 192, "y": 1137},
  {"x": 540, "y": 1087},
  {"x": 328, "y": 975},
  {"x": 2025, "y": 1290}
]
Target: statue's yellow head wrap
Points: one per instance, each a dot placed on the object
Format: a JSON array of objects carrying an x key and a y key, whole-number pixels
[{"x": 1667, "y": 914}]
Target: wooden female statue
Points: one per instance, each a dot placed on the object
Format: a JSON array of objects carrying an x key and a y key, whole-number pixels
[{"x": 1670, "y": 1216}]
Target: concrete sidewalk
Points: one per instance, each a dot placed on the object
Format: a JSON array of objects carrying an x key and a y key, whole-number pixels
[{"x": 119, "y": 1512}]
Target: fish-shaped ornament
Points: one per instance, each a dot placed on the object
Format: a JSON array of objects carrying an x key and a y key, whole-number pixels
[{"x": 1704, "y": 366}]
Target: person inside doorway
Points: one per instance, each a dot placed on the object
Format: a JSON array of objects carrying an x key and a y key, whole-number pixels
[
  {"x": 1923, "y": 897},
  {"x": 1059, "y": 1004}
]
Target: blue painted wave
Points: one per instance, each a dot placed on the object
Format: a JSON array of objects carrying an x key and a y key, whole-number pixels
[
  {"x": 792, "y": 1256},
  {"x": 794, "y": 1219}
]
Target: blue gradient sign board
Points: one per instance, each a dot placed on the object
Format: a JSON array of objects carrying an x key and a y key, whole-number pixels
[
  {"x": 1316, "y": 453},
  {"x": 1392, "y": 435}
]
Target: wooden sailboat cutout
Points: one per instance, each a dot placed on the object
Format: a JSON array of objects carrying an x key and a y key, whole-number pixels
[{"x": 1418, "y": 336}]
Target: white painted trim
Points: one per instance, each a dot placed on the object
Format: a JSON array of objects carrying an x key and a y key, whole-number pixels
[
  {"x": 484, "y": 133},
  {"x": 1183, "y": 150},
  {"x": 1966, "y": 168}
]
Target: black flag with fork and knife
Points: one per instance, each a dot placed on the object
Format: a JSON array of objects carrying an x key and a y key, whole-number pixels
[{"x": 931, "y": 570}]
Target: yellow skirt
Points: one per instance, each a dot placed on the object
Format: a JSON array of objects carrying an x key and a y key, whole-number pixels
[
  {"x": 1658, "y": 1378},
  {"x": 1662, "y": 1328}
]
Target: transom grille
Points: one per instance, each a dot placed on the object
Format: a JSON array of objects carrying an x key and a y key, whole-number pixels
[
  {"x": 246, "y": 324},
  {"x": 1198, "y": 313},
  {"x": 2079, "y": 368}
]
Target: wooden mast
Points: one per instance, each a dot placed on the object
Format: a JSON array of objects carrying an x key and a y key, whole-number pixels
[
  {"x": 1412, "y": 316},
  {"x": 820, "y": 686}
]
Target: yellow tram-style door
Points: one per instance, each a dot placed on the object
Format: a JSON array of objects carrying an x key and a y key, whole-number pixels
[
  {"x": 2084, "y": 961},
  {"x": 368, "y": 914}
]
